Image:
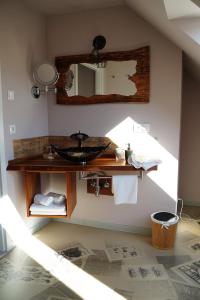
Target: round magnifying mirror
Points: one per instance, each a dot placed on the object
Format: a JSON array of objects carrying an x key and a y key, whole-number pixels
[{"x": 45, "y": 74}]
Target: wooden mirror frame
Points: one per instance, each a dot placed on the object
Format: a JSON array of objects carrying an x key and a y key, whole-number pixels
[{"x": 141, "y": 78}]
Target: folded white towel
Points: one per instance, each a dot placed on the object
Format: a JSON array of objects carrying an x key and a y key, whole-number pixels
[
  {"x": 49, "y": 213},
  {"x": 125, "y": 188},
  {"x": 53, "y": 207},
  {"x": 57, "y": 198},
  {"x": 144, "y": 162},
  {"x": 43, "y": 199}
]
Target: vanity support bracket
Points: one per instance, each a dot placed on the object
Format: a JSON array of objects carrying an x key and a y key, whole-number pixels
[
  {"x": 32, "y": 187},
  {"x": 71, "y": 192}
]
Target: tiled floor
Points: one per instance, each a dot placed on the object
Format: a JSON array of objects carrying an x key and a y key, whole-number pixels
[{"x": 21, "y": 278}]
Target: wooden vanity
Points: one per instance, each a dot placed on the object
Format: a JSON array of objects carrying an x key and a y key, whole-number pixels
[{"x": 34, "y": 166}]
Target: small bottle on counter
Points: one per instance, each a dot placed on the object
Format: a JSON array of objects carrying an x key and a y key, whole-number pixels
[
  {"x": 128, "y": 152},
  {"x": 48, "y": 152},
  {"x": 119, "y": 154}
]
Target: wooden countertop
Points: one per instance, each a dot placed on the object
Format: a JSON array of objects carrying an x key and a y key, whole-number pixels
[{"x": 59, "y": 165}]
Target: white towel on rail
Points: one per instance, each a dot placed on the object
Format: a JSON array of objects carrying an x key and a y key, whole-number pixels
[
  {"x": 53, "y": 207},
  {"x": 125, "y": 189}
]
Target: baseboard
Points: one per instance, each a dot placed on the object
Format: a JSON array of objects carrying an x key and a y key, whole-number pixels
[
  {"x": 39, "y": 225},
  {"x": 108, "y": 226}
]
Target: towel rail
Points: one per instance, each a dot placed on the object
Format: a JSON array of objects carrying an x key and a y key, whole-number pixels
[
  {"x": 102, "y": 175},
  {"x": 97, "y": 178}
]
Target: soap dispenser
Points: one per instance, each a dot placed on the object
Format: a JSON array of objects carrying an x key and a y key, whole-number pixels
[{"x": 128, "y": 152}]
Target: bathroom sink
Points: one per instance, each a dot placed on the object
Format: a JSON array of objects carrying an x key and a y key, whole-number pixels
[{"x": 79, "y": 154}]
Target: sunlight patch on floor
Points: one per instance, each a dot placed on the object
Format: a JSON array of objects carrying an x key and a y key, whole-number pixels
[{"x": 83, "y": 284}]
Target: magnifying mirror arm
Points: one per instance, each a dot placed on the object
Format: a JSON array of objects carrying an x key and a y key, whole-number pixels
[
  {"x": 36, "y": 91},
  {"x": 51, "y": 89}
]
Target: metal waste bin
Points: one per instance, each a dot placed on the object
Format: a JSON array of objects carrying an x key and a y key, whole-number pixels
[{"x": 164, "y": 226}]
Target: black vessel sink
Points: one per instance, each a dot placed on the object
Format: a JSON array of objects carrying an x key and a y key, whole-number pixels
[{"x": 80, "y": 155}]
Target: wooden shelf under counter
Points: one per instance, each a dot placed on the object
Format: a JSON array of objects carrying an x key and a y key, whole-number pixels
[
  {"x": 34, "y": 166},
  {"x": 32, "y": 184}
]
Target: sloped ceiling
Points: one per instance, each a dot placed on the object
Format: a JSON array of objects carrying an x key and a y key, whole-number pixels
[
  {"x": 179, "y": 20},
  {"x": 155, "y": 13},
  {"x": 181, "y": 9}
]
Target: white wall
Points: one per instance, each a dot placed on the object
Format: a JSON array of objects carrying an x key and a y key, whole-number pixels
[
  {"x": 73, "y": 34},
  {"x": 189, "y": 188},
  {"x": 23, "y": 44}
]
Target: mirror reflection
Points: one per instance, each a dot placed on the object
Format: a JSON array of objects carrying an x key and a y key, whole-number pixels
[
  {"x": 115, "y": 78},
  {"x": 112, "y": 77}
]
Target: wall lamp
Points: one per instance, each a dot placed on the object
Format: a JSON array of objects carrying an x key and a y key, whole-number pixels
[{"x": 99, "y": 43}]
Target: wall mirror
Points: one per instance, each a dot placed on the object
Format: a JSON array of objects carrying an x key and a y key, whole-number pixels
[
  {"x": 45, "y": 77},
  {"x": 119, "y": 77},
  {"x": 45, "y": 74}
]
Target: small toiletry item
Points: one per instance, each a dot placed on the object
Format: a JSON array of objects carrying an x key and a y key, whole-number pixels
[
  {"x": 128, "y": 152},
  {"x": 48, "y": 152},
  {"x": 119, "y": 154}
]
